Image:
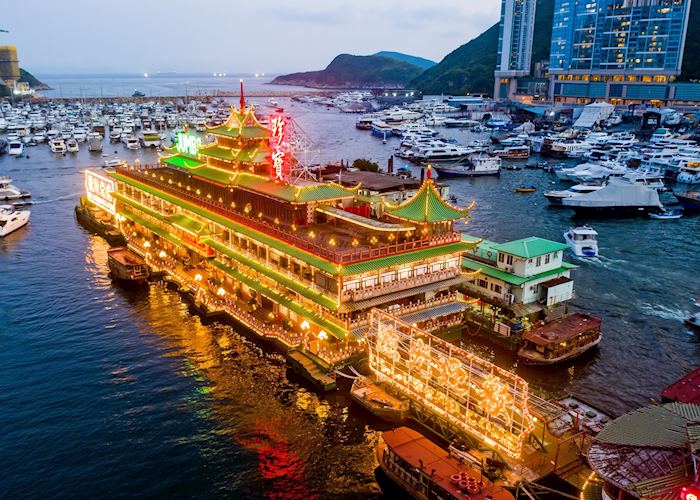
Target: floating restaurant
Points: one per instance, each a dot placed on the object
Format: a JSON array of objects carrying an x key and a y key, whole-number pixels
[{"x": 302, "y": 263}]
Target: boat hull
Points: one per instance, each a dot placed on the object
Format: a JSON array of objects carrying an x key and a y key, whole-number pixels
[
  {"x": 689, "y": 203},
  {"x": 617, "y": 211},
  {"x": 444, "y": 173},
  {"x": 534, "y": 358}
]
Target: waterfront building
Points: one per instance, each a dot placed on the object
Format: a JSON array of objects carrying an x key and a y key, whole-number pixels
[
  {"x": 301, "y": 262},
  {"x": 516, "y": 30},
  {"x": 621, "y": 51}
]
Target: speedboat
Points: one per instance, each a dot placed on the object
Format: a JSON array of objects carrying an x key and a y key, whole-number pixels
[
  {"x": 132, "y": 142},
  {"x": 114, "y": 162},
  {"x": 72, "y": 145},
  {"x": 666, "y": 214},
  {"x": 10, "y": 192},
  {"x": 15, "y": 148},
  {"x": 12, "y": 219},
  {"x": 583, "y": 241}
]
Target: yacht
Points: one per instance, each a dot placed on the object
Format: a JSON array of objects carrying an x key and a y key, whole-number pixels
[
  {"x": 40, "y": 137},
  {"x": 660, "y": 134},
  {"x": 57, "y": 146},
  {"x": 12, "y": 219},
  {"x": 381, "y": 129},
  {"x": 478, "y": 165},
  {"x": 10, "y": 192},
  {"x": 72, "y": 145},
  {"x": 15, "y": 148},
  {"x": 689, "y": 173},
  {"x": 444, "y": 153},
  {"x": 114, "y": 162},
  {"x": 583, "y": 241},
  {"x": 619, "y": 197},
  {"x": 151, "y": 138},
  {"x": 557, "y": 197},
  {"x": 132, "y": 142}
]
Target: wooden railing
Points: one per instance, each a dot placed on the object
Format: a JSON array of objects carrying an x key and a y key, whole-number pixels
[{"x": 345, "y": 256}]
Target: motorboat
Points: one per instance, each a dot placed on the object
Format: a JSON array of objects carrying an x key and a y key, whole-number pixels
[
  {"x": 94, "y": 141},
  {"x": 113, "y": 162},
  {"x": 618, "y": 197},
  {"x": 132, "y": 143},
  {"x": 660, "y": 134},
  {"x": 381, "y": 129},
  {"x": 12, "y": 218},
  {"x": 513, "y": 152},
  {"x": 72, "y": 145},
  {"x": 583, "y": 241},
  {"x": 478, "y": 165},
  {"x": 151, "y": 139},
  {"x": 10, "y": 192},
  {"x": 15, "y": 148},
  {"x": 688, "y": 173},
  {"x": 667, "y": 214},
  {"x": 525, "y": 189},
  {"x": 557, "y": 197},
  {"x": 459, "y": 123},
  {"x": 443, "y": 153},
  {"x": 57, "y": 146}
]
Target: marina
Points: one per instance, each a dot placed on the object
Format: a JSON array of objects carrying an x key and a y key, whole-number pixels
[{"x": 205, "y": 297}]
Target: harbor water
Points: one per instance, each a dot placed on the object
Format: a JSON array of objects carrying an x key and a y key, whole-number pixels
[{"x": 106, "y": 390}]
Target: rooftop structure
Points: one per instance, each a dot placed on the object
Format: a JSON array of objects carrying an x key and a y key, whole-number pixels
[
  {"x": 684, "y": 390},
  {"x": 649, "y": 453}
]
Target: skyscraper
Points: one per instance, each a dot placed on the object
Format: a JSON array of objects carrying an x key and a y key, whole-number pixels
[
  {"x": 514, "y": 45},
  {"x": 619, "y": 50}
]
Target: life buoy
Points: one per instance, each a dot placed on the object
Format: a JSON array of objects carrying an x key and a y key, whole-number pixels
[
  {"x": 488, "y": 253},
  {"x": 455, "y": 479}
]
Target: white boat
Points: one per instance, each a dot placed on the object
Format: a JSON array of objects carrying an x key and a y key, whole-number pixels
[
  {"x": 557, "y": 197},
  {"x": 94, "y": 141},
  {"x": 15, "y": 148},
  {"x": 660, "y": 134},
  {"x": 689, "y": 173},
  {"x": 443, "y": 153},
  {"x": 114, "y": 162},
  {"x": 132, "y": 142},
  {"x": 72, "y": 145},
  {"x": 57, "y": 146},
  {"x": 10, "y": 192},
  {"x": 478, "y": 165},
  {"x": 667, "y": 214},
  {"x": 583, "y": 241},
  {"x": 12, "y": 219},
  {"x": 151, "y": 139},
  {"x": 619, "y": 197}
]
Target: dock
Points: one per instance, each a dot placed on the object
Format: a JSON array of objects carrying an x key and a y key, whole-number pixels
[{"x": 307, "y": 368}]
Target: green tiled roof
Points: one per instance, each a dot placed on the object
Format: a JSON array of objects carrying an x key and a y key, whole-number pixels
[
  {"x": 244, "y": 132},
  {"x": 282, "y": 246},
  {"x": 285, "y": 280},
  {"x": 257, "y": 154},
  {"x": 530, "y": 247},
  {"x": 187, "y": 223},
  {"x": 495, "y": 272},
  {"x": 182, "y": 161},
  {"x": 427, "y": 206},
  {"x": 403, "y": 258},
  {"x": 288, "y": 192},
  {"x": 332, "y": 328}
]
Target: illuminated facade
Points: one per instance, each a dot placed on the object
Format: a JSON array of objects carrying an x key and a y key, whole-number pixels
[
  {"x": 472, "y": 394},
  {"x": 302, "y": 263},
  {"x": 618, "y": 50},
  {"x": 516, "y": 30}
]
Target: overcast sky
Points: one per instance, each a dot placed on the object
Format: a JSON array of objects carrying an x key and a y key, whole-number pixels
[{"x": 272, "y": 36}]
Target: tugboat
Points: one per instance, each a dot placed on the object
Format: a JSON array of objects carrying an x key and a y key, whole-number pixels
[
  {"x": 126, "y": 266},
  {"x": 426, "y": 471}
]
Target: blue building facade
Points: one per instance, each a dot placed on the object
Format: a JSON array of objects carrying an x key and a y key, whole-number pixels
[{"x": 622, "y": 50}]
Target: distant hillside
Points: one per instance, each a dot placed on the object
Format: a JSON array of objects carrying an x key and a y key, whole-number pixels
[
  {"x": 469, "y": 69},
  {"x": 421, "y": 62},
  {"x": 34, "y": 82},
  {"x": 347, "y": 71}
]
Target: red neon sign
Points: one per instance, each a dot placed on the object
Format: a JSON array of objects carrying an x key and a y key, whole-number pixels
[
  {"x": 278, "y": 129},
  {"x": 691, "y": 492}
]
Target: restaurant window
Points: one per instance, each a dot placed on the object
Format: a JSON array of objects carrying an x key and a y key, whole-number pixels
[
  {"x": 538, "y": 262},
  {"x": 437, "y": 266},
  {"x": 547, "y": 258},
  {"x": 370, "y": 282},
  {"x": 404, "y": 273},
  {"x": 482, "y": 283},
  {"x": 496, "y": 288},
  {"x": 420, "y": 270},
  {"x": 387, "y": 278}
]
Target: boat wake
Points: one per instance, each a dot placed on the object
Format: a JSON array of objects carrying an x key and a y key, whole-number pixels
[
  {"x": 663, "y": 312},
  {"x": 60, "y": 198},
  {"x": 599, "y": 261}
]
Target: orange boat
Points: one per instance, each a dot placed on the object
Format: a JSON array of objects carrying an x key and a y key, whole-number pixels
[{"x": 426, "y": 471}]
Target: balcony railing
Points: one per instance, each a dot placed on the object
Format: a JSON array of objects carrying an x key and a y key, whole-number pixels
[
  {"x": 403, "y": 284},
  {"x": 345, "y": 256},
  {"x": 408, "y": 308}
]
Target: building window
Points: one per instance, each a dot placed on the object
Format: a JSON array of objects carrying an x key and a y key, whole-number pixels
[
  {"x": 538, "y": 262},
  {"x": 546, "y": 258},
  {"x": 496, "y": 288},
  {"x": 482, "y": 283},
  {"x": 509, "y": 260}
]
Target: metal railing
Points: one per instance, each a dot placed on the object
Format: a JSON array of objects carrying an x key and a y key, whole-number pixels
[{"x": 426, "y": 279}]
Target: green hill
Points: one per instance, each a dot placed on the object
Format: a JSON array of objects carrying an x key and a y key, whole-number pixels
[
  {"x": 469, "y": 69},
  {"x": 24, "y": 76},
  {"x": 416, "y": 61},
  {"x": 347, "y": 71}
]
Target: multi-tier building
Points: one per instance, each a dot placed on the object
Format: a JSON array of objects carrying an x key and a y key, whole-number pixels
[
  {"x": 300, "y": 262},
  {"x": 516, "y": 29},
  {"x": 622, "y": 51}
]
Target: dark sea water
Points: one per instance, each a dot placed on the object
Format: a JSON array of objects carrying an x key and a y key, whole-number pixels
[{"x": 109, "y": 392}]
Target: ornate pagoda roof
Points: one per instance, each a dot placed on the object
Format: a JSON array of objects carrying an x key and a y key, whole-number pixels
[
  {"x": 428, "y": 206},
  {"x": 241, "y": 123}
]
